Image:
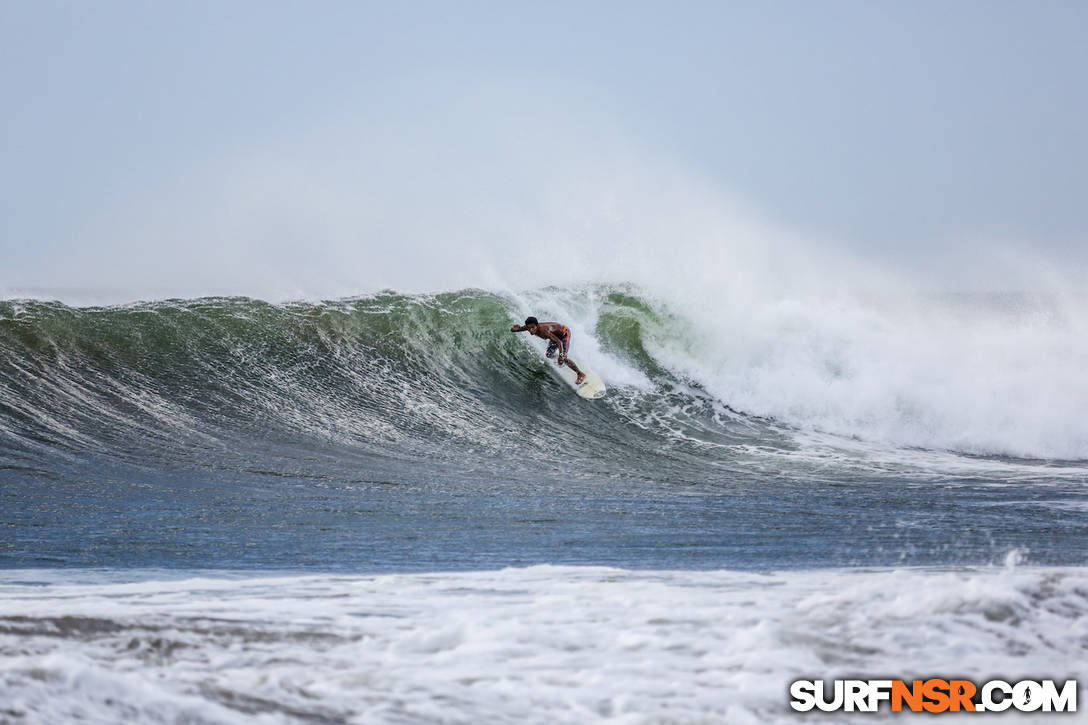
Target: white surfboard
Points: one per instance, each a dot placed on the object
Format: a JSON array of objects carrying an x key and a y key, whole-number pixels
[{"x": 592, "y": 387}]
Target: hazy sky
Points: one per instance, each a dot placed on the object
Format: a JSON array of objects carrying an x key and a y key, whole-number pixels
[{"x": 893, "y": 127}]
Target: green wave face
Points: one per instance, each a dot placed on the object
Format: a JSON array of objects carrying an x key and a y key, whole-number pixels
[{"x": 237, "y": 383}]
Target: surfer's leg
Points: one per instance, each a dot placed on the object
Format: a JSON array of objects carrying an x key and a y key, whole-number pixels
[
  {"x": 569, "y": 362},
  {"x": 581, "y": 375}
]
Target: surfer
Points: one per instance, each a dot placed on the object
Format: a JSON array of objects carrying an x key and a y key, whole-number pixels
[{"x": 558, "y": 337}]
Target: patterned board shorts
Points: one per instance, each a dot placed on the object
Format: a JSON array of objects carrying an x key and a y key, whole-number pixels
[{"x": 565, "y": 339}]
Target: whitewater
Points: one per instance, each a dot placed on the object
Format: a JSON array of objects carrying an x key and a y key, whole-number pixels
[{"x": 540, "y": 644}]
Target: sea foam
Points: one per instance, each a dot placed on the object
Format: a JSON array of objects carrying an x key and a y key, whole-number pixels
[{"x": 544, "y": 644}]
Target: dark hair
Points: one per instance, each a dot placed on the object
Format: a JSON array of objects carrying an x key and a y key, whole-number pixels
[{"x": 531, "y": 321}]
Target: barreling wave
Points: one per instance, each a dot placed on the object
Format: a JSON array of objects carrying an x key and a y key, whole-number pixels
[
  {"x": 226, "y": 381},
  {"x": 241, "y": 383}
]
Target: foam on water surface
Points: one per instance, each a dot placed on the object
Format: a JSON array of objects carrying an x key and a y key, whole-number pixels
[{"x": 537, "y": 645}]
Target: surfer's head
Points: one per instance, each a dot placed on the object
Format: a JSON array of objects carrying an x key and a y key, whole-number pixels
[{"x": 531, "y": 322}]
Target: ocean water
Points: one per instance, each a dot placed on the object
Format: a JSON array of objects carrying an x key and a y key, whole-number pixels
[{"x": 388, "y": 508}]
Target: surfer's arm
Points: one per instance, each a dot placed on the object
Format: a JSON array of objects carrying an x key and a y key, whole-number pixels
[{"x": 517, "y": 328}]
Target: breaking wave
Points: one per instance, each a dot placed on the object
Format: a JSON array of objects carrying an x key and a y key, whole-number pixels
[{"x": 693, "y": 387}]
